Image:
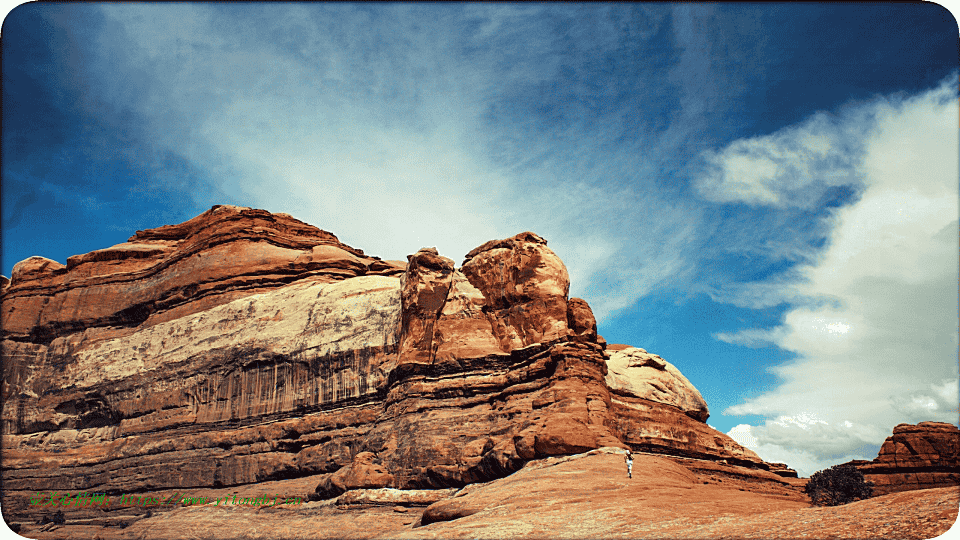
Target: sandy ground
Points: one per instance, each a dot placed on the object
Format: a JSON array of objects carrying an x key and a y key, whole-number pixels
[{"x": 585, "y": 496}]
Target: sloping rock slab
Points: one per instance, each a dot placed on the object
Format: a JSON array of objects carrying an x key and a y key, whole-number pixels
[{"x": 394, "y": 497}]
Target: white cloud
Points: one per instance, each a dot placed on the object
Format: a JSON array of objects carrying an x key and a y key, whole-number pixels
[
  {"x": 743, "y": 434},
  {"x": 751, "y": 337},
  {"x": 373, "y": 147},
  {"x": 936, "y": 401},
  {"x": 792, "y": 167},
  {"x": 879, "y": 347},
  {"x": 807, "y": 443}
]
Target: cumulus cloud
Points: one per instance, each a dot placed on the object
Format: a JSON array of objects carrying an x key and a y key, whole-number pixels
[
  {"x": 876, "y": 343},
  {"x": 807, "y": 444}
]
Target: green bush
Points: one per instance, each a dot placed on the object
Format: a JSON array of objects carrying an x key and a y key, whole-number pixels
[{"x": 840, "y": 484}]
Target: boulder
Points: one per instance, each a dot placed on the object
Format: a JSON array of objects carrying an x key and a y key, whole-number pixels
[
  {"x": 525, "y": 286},
  {"x": 638, "y": 374},
  {"x": 363, "y": 473}
]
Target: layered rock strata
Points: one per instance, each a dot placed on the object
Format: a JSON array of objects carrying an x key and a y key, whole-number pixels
[
  {"x": 243, "y": 346},
  {"x": 173, "y": 271},
  {"x": 921, "y": 456}
]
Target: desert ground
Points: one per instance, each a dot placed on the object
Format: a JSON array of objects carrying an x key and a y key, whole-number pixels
[{"x": 581, "y": 496}]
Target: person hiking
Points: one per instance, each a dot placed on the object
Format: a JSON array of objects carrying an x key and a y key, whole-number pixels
[{"x": 629, "y": 460}]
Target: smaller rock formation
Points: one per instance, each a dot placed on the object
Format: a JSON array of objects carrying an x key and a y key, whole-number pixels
[
  {"x": 581, "y": 322},
  {"x": 363, "y": 473},
  {"x": 782, "y": 469},
  {"x": 920, "y": 456}
]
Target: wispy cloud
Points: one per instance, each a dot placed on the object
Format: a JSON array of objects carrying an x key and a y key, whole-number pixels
[
  {"x": 474, "y": 123},
  {"x": 795, "y": 166},
  {"x": 807, "y": 443}
]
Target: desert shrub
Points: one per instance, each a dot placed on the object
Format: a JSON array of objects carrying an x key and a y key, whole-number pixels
[{"x": 840, "y": 484}]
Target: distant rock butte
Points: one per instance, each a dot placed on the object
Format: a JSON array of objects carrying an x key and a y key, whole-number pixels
[
  {"x": 242, "y": 347},
  {"x": 921, "y": 456}
]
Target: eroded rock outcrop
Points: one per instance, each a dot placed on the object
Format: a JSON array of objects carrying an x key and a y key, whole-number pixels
[
  {"x": 782, "y": 469},
  {"x": 656, "y": 409},
  {"x": 243, "y": 346},
  {"x": 525, "y": 286},
  {"x": 635, "y": 373},
  {"x": 363, "y": 473},
  {"x": 921, "y": 456}
]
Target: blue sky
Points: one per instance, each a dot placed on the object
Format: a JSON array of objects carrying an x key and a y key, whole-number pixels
[{"x": 766, "y": 195}]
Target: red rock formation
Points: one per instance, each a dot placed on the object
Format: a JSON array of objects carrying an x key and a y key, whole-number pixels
[
  {"x": 174, "y": 271},
  {"x": 362, "y": 473},
  {"x": 580, "y": 320},
  {"x": 782, "y": 469},
  {"x": 243, "y": 346},
  {"x": 525, "y": 286},
  {"x": 921, "y": 456}
]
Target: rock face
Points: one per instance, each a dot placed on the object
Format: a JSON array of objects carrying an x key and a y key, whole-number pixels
[
  {"x": 656, "y": 409},
  {"x": 638, "y": 374},
  {"x": 782, "y": 469},
  {"x": 242, "y": 347},
  {"x": 598, "y": 478},
  {"x": 173, "y": 271},
  {"x": 921, "y": 456},
  {"x": 362, "y": 473}
]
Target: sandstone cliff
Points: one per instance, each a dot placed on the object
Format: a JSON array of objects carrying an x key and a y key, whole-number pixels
[
  {"x": 921, "y": 456},
  {"x": 243, "y": 347}
]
